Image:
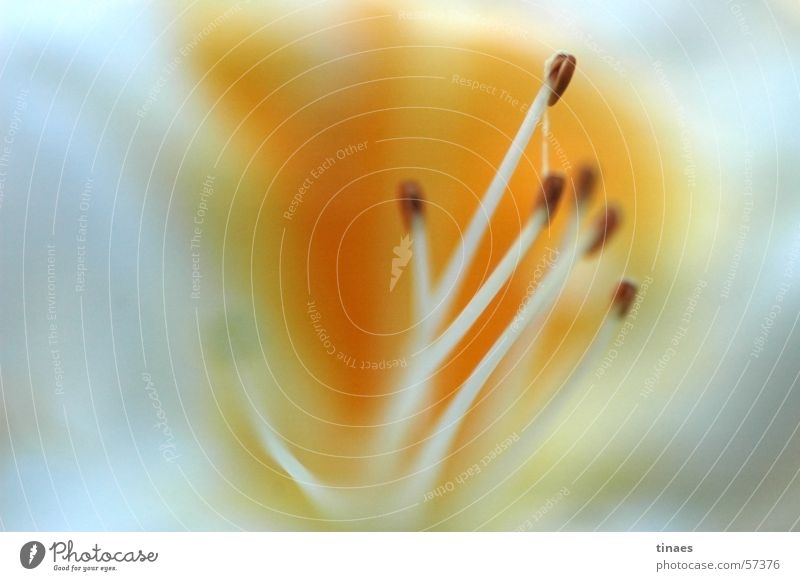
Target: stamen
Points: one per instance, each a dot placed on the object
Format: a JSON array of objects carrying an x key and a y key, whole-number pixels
[
  {"x": 411, "y": 201},
  {"x": 605, "y": 227},
  {"x": 295, "y": 469},
  {"x": 413, "y": 210},
  {"x": 623, "y": 297},
  {"x": 330, "y": 501},
  {"x": 560, "y": 67},
  {"x": 559, "y": 71},
  {"x": 550, "y": 194},
  {"x": 544, "y": 207},
  {"x": 432, "y": 304},
  {"x": 585, "y": 184},
  {"x": 288, "y": 461},
  {"x": 273, "y": 444},
  {"x": 409, "y": 401},
  {"x": 545, "y": 142},
  {"x": 446, "y": 428}
]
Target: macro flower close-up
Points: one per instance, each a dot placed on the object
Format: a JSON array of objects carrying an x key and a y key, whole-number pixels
[{"x": 351, "y": 265}]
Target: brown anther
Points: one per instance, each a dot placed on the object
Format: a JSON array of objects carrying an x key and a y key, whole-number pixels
[
  {"x": 585, "y": 182},
  {"x": 607, "y": 223},
  {"x": 411, "y": 200},
  {"x": 560, "y": 69},
  {"x": 623, "y": 297},
  {"x": 550, "y": 193}
]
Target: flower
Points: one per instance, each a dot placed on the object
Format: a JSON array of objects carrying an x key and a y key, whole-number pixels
[{"x": 229, "y": 323}]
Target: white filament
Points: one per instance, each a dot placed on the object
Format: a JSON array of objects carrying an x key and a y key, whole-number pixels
[
  {"x": 428, "y": 360},
  {"x": 435, "y": 449},
  {"x": 422, "y": 282},
  {"x": 545, "y": 143},
  {"x": 437, "y": 352},
  {"x": 463, "y": 254}
]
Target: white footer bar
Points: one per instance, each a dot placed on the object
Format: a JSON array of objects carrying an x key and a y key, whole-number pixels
[{"x": 407, "y": 556}]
